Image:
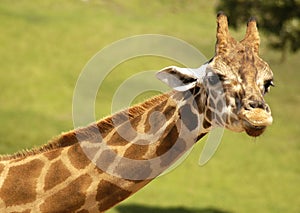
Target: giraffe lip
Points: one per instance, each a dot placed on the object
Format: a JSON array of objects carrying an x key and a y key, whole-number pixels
[{"x": 252, "y": 130}]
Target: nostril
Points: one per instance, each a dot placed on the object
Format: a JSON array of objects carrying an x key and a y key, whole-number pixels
[
  {"x": 253, "y": 105},
  {"x": 257, "y": 104},
  {"x": 268, "y": 109}
]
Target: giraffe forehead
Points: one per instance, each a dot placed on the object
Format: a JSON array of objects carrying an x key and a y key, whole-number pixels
[{"x": 241, "y": 65}]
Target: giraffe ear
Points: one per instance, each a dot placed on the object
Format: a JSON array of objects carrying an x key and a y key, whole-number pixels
[{"x": 181, "y": 79}]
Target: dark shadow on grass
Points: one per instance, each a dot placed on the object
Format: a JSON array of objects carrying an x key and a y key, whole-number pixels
[{"x": 150, "y": 209}]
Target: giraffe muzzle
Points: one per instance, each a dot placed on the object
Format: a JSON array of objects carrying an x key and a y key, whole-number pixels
[{"x": 255, "y": 121}]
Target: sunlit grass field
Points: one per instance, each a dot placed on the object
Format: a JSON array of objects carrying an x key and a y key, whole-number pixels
[{"x": 46, "y": 44}]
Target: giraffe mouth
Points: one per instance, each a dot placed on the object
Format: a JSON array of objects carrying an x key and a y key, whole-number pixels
[
  {"x": 255, "y": 121},
  {"x": 253, "y": 131}
]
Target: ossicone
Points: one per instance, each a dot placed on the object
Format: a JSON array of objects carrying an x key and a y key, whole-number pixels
[
  {"x": 223, "y": 36},
  {"x": 252, "y": 35},
  {"x": 224, "y": 39}
]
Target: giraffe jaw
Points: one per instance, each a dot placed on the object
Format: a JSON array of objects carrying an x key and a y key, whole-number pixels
[{"x": 255, "y": 121}]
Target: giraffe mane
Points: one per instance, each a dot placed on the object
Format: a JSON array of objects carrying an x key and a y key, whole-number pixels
[{"x": 69, "y": 138}]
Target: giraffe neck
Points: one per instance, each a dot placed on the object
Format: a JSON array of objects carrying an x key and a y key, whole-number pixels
[
  {"x": 151, "y": 141},
  {"x": 96, "y": 167}
]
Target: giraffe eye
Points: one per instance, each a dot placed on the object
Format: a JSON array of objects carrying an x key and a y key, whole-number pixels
[{"x": 267, "y": 86}]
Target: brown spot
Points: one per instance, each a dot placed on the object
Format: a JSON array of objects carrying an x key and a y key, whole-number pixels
[
  {"x": 105, "y": 126},
  {"x": 136, "y": 151},
  {"x": 53, "y": 154},
  {"x": 70, "y": 198},
  {"x": 116, "y": 140},
  {"x": 208, "y": 114},
  {"x": 105, "y": 159},
  {"x": 133, "y": 170},
  {"x": 214, "y": 94},
  {"x": 189, "y": 119},
  {"x": 56, "y": 174},
  {"x": 77, "y": 157},
  {"x": 200, "y": 99},
  {"x": 126, "y": 131},
  {"x": 90, "y": 151},
  {"x": 67, "y": 139},
  {"x": 206, "y": 124},
  {"x": 220, "y": 106},
  {"x": 135, "y": 122},
  {"x": 173, "y": 154},
  {"x": 168, "y": 141},
  {"x": 90, "y": 133},
  {"x": 212, "y": 104},
  {"x": 158, "y": 108},
  {"x": 123, "y": 131},
  {"x": 19, "y": 185},
  {"x": 158, "y": 118},
  {"x": 109, "y": 194},
  {"x": 155, "y": 123},
  {"x": 169, "y": 112}
]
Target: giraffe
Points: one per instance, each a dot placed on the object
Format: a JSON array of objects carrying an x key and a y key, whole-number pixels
[{"x": 93, "y": 168}]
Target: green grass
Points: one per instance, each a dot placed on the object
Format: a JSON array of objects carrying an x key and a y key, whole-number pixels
[{"x": 45, "y": 45}]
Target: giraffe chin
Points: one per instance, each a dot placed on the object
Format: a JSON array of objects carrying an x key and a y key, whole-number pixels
[
  {"x": 253, "y": 131},
  {"x": 255, "y": 121}
]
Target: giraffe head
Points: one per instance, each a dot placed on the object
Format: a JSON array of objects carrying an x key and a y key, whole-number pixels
[{"x": 232, "y": 84}]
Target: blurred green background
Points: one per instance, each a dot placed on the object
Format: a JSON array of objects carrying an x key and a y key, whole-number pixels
[{"x": 45, "y": 45}]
